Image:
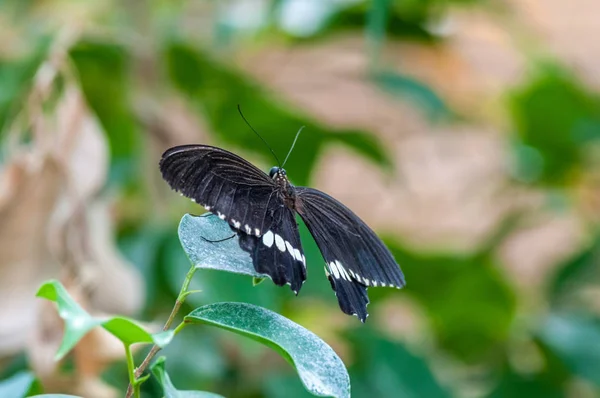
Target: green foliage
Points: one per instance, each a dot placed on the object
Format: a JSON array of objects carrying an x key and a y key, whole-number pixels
[
  {"x": 22, "y": 384},
  {"x": 383, "y": 19},
  {"x": 406, "y": 87},
  {"x": 574, "y": 339},
  {"x": 195, "y": 234},
  {"x": 377, "y": 24},
  {"x": 515, "y": 385},
  {"x": 469, "y": 306},
  {"x": 104, "y": 71},
  {"x": 445, "y": 285},
  {"x": 382, "y": 366},
  {"x": 158, "y": 369},
  {"x": 322, "y": 372},
  {"x": 16, "y": 77},
  {"x": 78, "y": 322},
  {"x": 320, "y": 369},
  {"x": 555, "y": 118},
  {"x": 217, "y": 90},
  {"x": 573, "y": 275}
]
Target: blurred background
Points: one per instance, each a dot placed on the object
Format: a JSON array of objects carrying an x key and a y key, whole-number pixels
[{"x": 465, "y": 132}]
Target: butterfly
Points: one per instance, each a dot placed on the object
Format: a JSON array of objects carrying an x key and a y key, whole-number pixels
[{"x": 262, "y": 208}]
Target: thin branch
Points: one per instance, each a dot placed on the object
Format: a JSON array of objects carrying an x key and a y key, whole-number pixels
[{"x": 183, "y": 293}]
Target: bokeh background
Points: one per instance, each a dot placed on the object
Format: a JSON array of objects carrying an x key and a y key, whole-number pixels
[{"x": 465, "y": 132}]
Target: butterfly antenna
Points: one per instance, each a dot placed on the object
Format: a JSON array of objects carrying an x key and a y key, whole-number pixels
[
  {"x": 256, "y": 132},
  {"x": 293, "y": 145}
]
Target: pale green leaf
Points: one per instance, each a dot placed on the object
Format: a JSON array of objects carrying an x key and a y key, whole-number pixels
[
  {"x": 226, "y": 255},
  {"x": 322, "y": 372},
  {"x": 78, "y": 322},
  {"x": 19, "y": 385},
  {"x": 158, "y": 369},
  {"x": 55, "y": 396},
  {"x": 413, "y": 90},
  {"x": 575, "y": 339}
]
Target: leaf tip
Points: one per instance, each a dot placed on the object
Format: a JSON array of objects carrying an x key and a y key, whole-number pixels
[{"x": 48, "y": 290}]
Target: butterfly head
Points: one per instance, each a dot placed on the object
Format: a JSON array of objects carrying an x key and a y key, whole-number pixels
[
  {"x": 280, "y": 177},
  {"x": 277, "y": 172}
]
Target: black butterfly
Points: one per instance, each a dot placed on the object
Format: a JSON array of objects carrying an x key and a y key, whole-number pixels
[{"x": 261, "y": 209}]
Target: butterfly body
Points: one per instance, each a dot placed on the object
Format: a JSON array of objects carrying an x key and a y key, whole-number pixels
[
  {"x": 261, "y": 209},
  {"x": 285, "y": 188}
]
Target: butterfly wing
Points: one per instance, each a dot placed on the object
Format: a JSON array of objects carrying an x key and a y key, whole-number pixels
[
  {"x": 278, "y": 252},
  {"x": 237, "y": 191},
  {"x": 223, "y": 183},
  {"x": 355, "y": 256}
]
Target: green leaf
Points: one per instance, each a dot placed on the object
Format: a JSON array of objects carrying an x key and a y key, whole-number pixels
[
  {"x": 216, "y": 90},
  {"x": 382, "y": 366},
  {"x": 515, "y": 385},
  {"x": 445, "y": 285},
  {"x": 257, "y": 281},
  {"x": 556, "y": 116},
  {"x": 405, "y": 19},
  {"x": 16, "y": 77},
  {"x": 412, "y": 89},
  {"x": 19, "y": 385},
  {"x": 376, "y": 26},
  {"x": 322, "y": 372},
  {"x": 78, "y": 322},
  {"x": 55, "y": 396},
  {"x": 575, "y": 340},
  {"x": 195, "y": 233},
  {"x": 574, "y": 275},
  {"x": 158, "y": 369},
  {"x": 103, "y": 70}
]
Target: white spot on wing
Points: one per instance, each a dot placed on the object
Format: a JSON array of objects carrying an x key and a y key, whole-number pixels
[
  {"x": 279, "y": 242},
  {"x": 334, "y": 269},
  {"x": 268, "y": 239},
  {"x": 290, "y": 248},
  {"x": 193, "y": 200},
  {"x": 343, "y": 271},
  {"x": 256, "y": 231},
  {"x": 221, "y": 215},
  {"x": 366, "y": 281},
  {"x": 236, "y": 224},
  {"x": 374, "y": 283},
  {"x": 207, "y": 208},
  {"x": 247, "y": 228},
  {"x": 297, "y": 255}
]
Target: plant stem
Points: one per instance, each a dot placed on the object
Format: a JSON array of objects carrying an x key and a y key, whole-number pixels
[
  {"x": 178, "y": 328},
  {"x": 183, "y": 293},
  {"x": 131, "y": 371}
]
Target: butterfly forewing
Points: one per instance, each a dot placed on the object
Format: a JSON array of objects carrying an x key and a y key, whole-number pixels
[
  {"x": 223, "y": 183},
  {"x": 248, "y": 199},
  {"x": 355, "y": 256}
]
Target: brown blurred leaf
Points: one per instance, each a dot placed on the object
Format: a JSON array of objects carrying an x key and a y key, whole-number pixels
[{"x": 55, "y": 224}]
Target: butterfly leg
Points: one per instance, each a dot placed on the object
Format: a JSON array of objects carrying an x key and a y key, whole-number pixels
[{"x": 218, "y": 240}]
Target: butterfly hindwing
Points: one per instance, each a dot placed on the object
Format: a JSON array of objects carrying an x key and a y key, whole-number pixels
[
  {"x": 224, "y": 183},
  {"x": 278, "y": 252},
  {"x": 355, "y": 256}
]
